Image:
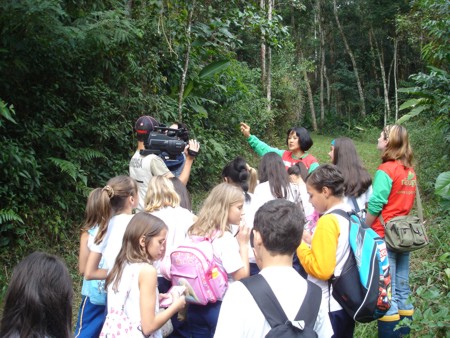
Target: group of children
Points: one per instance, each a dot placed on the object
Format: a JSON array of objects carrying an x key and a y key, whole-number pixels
[{"x": 275, "y": 221}]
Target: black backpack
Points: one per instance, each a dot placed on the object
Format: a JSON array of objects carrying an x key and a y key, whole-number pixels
[{"x": 275, "y": 316}]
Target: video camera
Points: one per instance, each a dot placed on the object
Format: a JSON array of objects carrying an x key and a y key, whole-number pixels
[{"x": 164, "y": 141}]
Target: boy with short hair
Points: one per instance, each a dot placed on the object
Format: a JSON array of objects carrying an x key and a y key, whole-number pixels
[
  {"x": 277, "y": 232},
  {"x": 144, "y": 167}
]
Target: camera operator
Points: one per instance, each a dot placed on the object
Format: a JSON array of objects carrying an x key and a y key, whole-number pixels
[
  {"x": 144, "y": 166},
  {"x": 176, "y": 164}
]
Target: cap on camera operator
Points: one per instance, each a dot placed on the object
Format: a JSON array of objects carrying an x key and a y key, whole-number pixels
[{"x": 144, "y": 167}]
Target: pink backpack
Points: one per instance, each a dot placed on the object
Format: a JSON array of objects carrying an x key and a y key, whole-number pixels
[{"x": 194, "y": 266}]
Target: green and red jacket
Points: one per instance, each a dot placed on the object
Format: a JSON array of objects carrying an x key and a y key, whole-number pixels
[{"x": 394, "y": 191}]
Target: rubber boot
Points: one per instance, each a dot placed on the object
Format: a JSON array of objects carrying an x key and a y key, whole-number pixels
[
  {"x": 405, "y": 330},
  {"x": 386, "y": 326}
]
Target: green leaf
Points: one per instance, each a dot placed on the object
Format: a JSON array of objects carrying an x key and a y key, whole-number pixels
[
  {"x": 66, "y": 167},
  {"x": 442, "y": 185},
  {"x": 6, "y": 111},
  {"x": 200, "y": 110},
  {"x": 213, "y": 68},
  {"x": 408, "y": 90},
  {"x": 188, "y": 89},
  {"x": 409, "y": 103},
  {"x": 414, "y": 112}
]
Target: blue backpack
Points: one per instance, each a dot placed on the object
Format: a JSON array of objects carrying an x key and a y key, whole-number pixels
[{"x": 364, "y": 287}]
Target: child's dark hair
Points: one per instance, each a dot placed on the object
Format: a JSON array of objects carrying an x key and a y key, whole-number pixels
[
  {"x": 304, "y": 139},
  {"x": 237, "y": 172},
  {"x": 357, "y": 179},
  {"x": 38, "y": 302},
  {"x": 298, "y": 169},
  {"x": 142, "y": 224},
  {"x": 272, "y": 169},
  {"x": 327, "y": 175},
  {"x": 280, "y": 223}
]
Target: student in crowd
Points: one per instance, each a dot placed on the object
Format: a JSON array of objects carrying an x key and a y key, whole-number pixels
[
  {"x": 297, "y": 175},
  {"x": 38, "y": 301},
  {"x": 325, "y": 254},
  {"x": 118, "y": 199},
  {"x": 92, "y": 312},
  {"x": 132, "y": 283},
  {"x": 163, "y": 202},
  {"x": 144, "y": 167},
  {"x": 358, "y": 182},
  {"x": 220, "y": 219},
  {"x": 253, "y": 179},
  {"x": 298, "y": 142},
  {"x": 394, "y": 190},
  {"x": 236, "y": 172},
  {"x": 277, "y": 234},
  {"x": 185, "y": 197},
  {"x": 273, "y": 181}
]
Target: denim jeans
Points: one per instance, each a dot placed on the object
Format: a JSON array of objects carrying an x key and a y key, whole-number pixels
[
  {"x": 202, "y": 319},
  {"x": 399, "y": 266},
  {"x": 343, "y": 325}
]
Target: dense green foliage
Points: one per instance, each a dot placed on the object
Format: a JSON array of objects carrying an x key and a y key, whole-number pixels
[{"x": 77, "y": 74}]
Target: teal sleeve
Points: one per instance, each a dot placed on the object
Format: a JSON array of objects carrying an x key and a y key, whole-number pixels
[
  {"x": 262, "y": 148},
  {"x": 313, "y": 167},
  {"x": 382, "y": 185}
]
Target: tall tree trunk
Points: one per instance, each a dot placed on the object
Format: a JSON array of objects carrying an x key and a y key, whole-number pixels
[
  {"x": 186, "y": 64},
  {"x": 383, "y": 76},
  {"x": 262, "y": 4},
  {"x": 327, "y": 82},
  {"x": 352, "y": 58},
  {"x": 395, "y": 76},
  {"x": 129, "y": 7},
  {"x": 269, "y": 61},
  {"x": 308, "y": 89},
  {"x": 374, "y": 65},
  {"x": 322, "y": 62}
]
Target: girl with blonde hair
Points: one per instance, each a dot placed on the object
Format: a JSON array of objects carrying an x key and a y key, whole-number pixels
[
  {"x": 163, "y": 201},
  {"x": 394, "y": 191},
  {"x": 220, "y": 219}
]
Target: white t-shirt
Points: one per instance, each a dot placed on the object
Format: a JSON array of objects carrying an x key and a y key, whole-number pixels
[
  {"x": 240, "y": 316},
  {"x": 362, "y": 200},
  {"x": 226, "y": 249},
  {"x": 249, "y": 217},
  {"x": 178, "y": 221},
  {"x": 113, "y": 242},
  {"x": 263, "y": 194},
  {"x": 130, "y": 282},
  {"x": 300, "y": 192}
]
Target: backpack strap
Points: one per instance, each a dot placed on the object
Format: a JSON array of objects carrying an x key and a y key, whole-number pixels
[
  {"x": 265, "y": 299},
  {"x": 271, "y": 308},
  {"x": 341, "y": 212},
  {"x": 346, "y": 215},
  {"x": 355, "y": 203},
  {"x": 311, "y": 304}
]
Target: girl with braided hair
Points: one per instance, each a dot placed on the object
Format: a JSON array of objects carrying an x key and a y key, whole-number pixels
[{"x": 108, "y": 212}]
